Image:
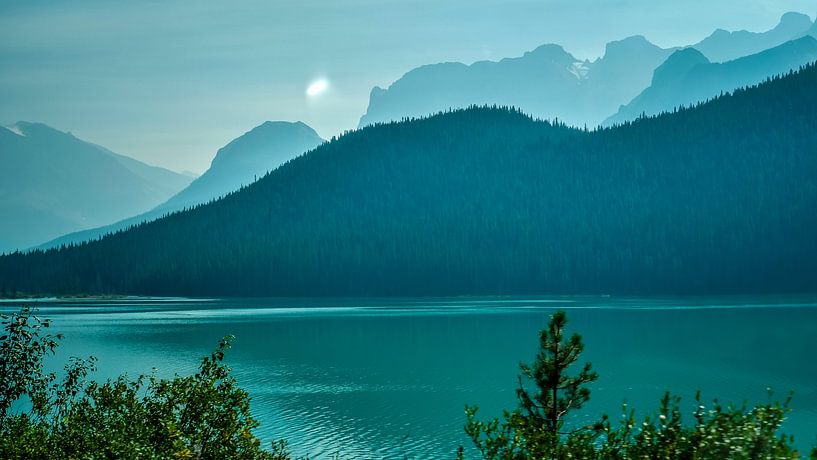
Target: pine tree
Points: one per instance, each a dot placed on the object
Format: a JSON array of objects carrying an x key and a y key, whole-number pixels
[
  {"x": 556, "y": 393},
  {"x": 536, "y": 428}
]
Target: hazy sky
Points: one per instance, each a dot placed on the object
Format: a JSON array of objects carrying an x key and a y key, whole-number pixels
[{"x": 169, "y": 82}]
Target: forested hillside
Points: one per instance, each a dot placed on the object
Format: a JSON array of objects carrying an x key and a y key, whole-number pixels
[
  {"x": 718, "y": 198},
  {"x": 241, "y": 162}
]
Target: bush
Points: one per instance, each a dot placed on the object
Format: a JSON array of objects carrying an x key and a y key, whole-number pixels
[
  {"x": 203, "y": 416},
  {"x": 536, "y": 429},
  {"x": 207, "y": 416}
]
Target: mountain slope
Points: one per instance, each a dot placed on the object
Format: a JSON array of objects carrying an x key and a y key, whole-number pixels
[
  {"x": 239, "y": 163},
  {"x": 724, "y": 46},
  {"x": 546, "y": 82},
  {"x": 720, "y": 198},
  {"x": 688, "y": 77},
  {"x": 245, "y": 159},
  {"x": 53, "y": 183}
]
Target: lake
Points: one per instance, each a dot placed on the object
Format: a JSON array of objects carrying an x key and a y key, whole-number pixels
[{"x": 385, "y": 378}]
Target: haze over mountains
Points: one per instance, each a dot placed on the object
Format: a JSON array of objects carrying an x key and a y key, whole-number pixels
[
  {"x": 237, "y": 164},
  {"x": 719, "y": 198},
  {"x": 725, "y": 46},
  {"x": 52, "y": 183},
  {"x": 549, "y": 83},
  {"x": 633, "y": 77},
  {"x": 688, "y": 77}
]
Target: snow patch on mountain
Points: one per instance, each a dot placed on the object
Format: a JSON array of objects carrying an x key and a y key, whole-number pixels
[
  {"x": 16, "y": 130},
  {"x": 579, "y": 69}
]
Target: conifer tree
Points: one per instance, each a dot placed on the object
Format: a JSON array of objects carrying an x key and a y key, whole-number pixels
[
  {"x": 535, "y": 429},
  {"x": 556, "y": 393}
]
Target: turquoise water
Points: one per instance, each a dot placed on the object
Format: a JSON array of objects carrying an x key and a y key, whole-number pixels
[{"x": 389, "y": 378}]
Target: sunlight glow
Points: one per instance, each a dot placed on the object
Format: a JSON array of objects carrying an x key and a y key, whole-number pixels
[{"x": 317, "y": 87}]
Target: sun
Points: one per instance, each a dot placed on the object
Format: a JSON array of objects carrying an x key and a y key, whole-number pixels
[{"x": 317, "y": 87}]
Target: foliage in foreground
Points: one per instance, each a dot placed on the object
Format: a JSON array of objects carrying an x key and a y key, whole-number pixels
[
  {"x": 203, "y": 416},
  {"x": 537, "y": 429},
  {"x": 207, "y": 416}
]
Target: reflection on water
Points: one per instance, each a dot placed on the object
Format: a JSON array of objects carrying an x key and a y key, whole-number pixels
[{"x": 374, "y": 378}]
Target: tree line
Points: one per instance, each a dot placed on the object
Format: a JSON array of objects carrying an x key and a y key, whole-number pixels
[{"x": 720, "y": 197}]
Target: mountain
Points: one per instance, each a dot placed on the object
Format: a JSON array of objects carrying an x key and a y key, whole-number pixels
[
  {"x": 726, "y": 46},
  {"x": 719, "y": 198},
  {"x": 688, "y": 77},
  {"x": 549, "y": 82},
  {"x": 546, "y": 82},
  {"x": 245, "y": 159},
  {"x": 237, "y": 164},
  {"x": 52, "y": 183}
]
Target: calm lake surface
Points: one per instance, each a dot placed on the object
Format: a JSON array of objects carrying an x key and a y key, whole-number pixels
[{"x": 390, "y": 378}]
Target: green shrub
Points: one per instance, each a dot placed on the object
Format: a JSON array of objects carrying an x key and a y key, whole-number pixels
[
  {"x": 537, "y": 428},
  {"x": 203, "y": 416},
  {"x": 207, "y": 416}
]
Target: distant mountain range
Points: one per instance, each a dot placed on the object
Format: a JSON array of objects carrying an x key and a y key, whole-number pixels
[
  {"x": 724, "y": 46},
  {"x": 718, "y": 198},
  {"x": 549, "y": 82},
  {"x": 52, "y": 183},
  {"x": 239, "y": 163},
  {"x": 688, "y": 77},
  {"x": 633, "y": 77}
]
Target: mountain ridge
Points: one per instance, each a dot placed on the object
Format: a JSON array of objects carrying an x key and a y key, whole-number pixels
[
  {"x": 582, "y": 93},
  {"x": 487, "y": 201},
  {"x": 688, "y": 77},
  {"x": 724, "y": 45},
  {"x": 546, "y": 82},
  {"x": 53, "y": 183},
  {"x": 239, "y": 163}
]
